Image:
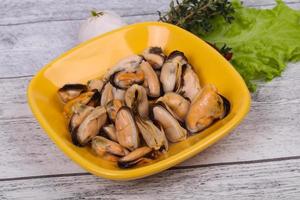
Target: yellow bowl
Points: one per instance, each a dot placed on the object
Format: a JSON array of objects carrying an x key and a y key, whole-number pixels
[{"x": 92, "y": 59}]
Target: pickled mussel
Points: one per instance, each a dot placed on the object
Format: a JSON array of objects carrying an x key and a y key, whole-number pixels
[
  {"x": 89, "y": 127},
  {"x": 126, "y": 129},
  {"x": 172, "y": 128},
  {"x": 154, "y": 56},
  {"x": 207, "y": 107},
  {"x": 132, "y": 114},
  {"x": 136, "y": 99},
  {"x": 71, "y": 91},
  {"x": 138, "y": 156}
]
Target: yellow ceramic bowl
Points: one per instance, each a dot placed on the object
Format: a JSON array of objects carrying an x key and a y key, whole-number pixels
[{"x": 92, "y": 59}]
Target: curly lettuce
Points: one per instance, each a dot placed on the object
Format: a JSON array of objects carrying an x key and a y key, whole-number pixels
[{"x": 262, "y": 41}]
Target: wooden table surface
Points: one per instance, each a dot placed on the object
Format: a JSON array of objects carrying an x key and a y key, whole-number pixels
[{"x": 258, "y": 160}]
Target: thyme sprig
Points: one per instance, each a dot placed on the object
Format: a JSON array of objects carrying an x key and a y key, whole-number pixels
[{"x": 196, "y": 16}]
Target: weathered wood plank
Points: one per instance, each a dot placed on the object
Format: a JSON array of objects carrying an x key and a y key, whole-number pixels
[
  {"x": 43, "y": 32},
  {"x": 31, "y": 11},
  {"x": 269, "y": 180},
  {"x": 270, "y": 130},
  {"x": 25, "y": 48}
]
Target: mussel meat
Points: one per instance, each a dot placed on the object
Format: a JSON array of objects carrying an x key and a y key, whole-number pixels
[
  {"x": 118, "y": 93},
  {"x": 83, "y": 98},
  {"x": 155, "y": 56},
  {"x": 153, "y": 136},
  {"x": 80, "y": 111},
  {"x": 110, "y": 132},
  {"x": 173, "y": 130},
  {"x": 95, "y": 84},
  {"x": 71, "y": 91},
  {"x": 171, "y": 72},
  {"x": 177, "y": 105},
  {"x": 151, "y": 82},
  {"x": 125, "y": 79},
  {"x": 128, "y": 64},
  {"x": 138, "y": 156},
  {"x": 102, "y": 146},
  {"x": 112, "y": 108},
  {"x": 95, "y": 99},
  {"x": 126, "y": 129},
  {"x": 136, "y": 99},
  {"x": 145, "y": 101},
  {"x": 90, "y": 126},
  {"x": 190, "y": 85},
  {"x": 107, "y": 94},
  {"x": 206, "y": 107}
]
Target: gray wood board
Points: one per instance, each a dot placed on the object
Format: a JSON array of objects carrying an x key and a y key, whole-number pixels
[
  {"x": 266, "y": 180},
  {"x": 259, "y": 160},
  {"x": 14, "y": 12}
]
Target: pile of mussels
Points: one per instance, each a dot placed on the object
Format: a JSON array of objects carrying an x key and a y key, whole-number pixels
[{"x": 130, "y": 115}]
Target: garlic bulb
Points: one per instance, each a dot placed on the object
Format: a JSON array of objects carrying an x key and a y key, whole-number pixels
[{"x": 99, "y": 23}]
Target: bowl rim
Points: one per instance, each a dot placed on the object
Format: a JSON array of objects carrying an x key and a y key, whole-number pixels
[{"x": 148, "y": 169}]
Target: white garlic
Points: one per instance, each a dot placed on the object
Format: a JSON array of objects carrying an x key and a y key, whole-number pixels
[{"x": 99, "y": 23}]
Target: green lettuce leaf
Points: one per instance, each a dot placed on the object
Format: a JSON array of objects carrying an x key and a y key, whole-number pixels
[{"x": 262, "y": 41}]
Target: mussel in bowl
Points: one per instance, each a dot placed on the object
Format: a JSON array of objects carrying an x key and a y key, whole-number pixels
[
  {"x": 207, "y": 107},
  {"x": 136, "y": 99},
  {"x": 141, "y": 106},
  {"x": 176, "y": 104},
  {"x": 154, "y": 56},
  {"x": 172, "y": 128},
  {"x": 89, "y": 127},
  {"x": 137, "y": 157},
  {"x": 71, "y": 91},
  {"x": 171, "y": 72},
  {"x": 126, "y": 129}
]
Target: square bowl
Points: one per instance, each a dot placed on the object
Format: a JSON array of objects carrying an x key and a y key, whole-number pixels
[{"x": 92, "y": 59}]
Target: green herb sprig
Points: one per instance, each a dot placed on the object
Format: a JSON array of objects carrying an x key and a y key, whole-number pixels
[{"x": 196, "y": 16}]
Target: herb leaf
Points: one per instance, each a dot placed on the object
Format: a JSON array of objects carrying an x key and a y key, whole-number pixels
[{"x": 196, "y": 15}]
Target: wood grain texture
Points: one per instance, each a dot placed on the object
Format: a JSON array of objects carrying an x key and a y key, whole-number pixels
[
  {"x": 32, "y": 11},
  {"x": 32, "y": 33},
  {"x": 14, "y": 12},
  {"x": 26, "y": 48},
  {"x": 270, "y": 130},
  {"x": 270, "y": 180}
]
